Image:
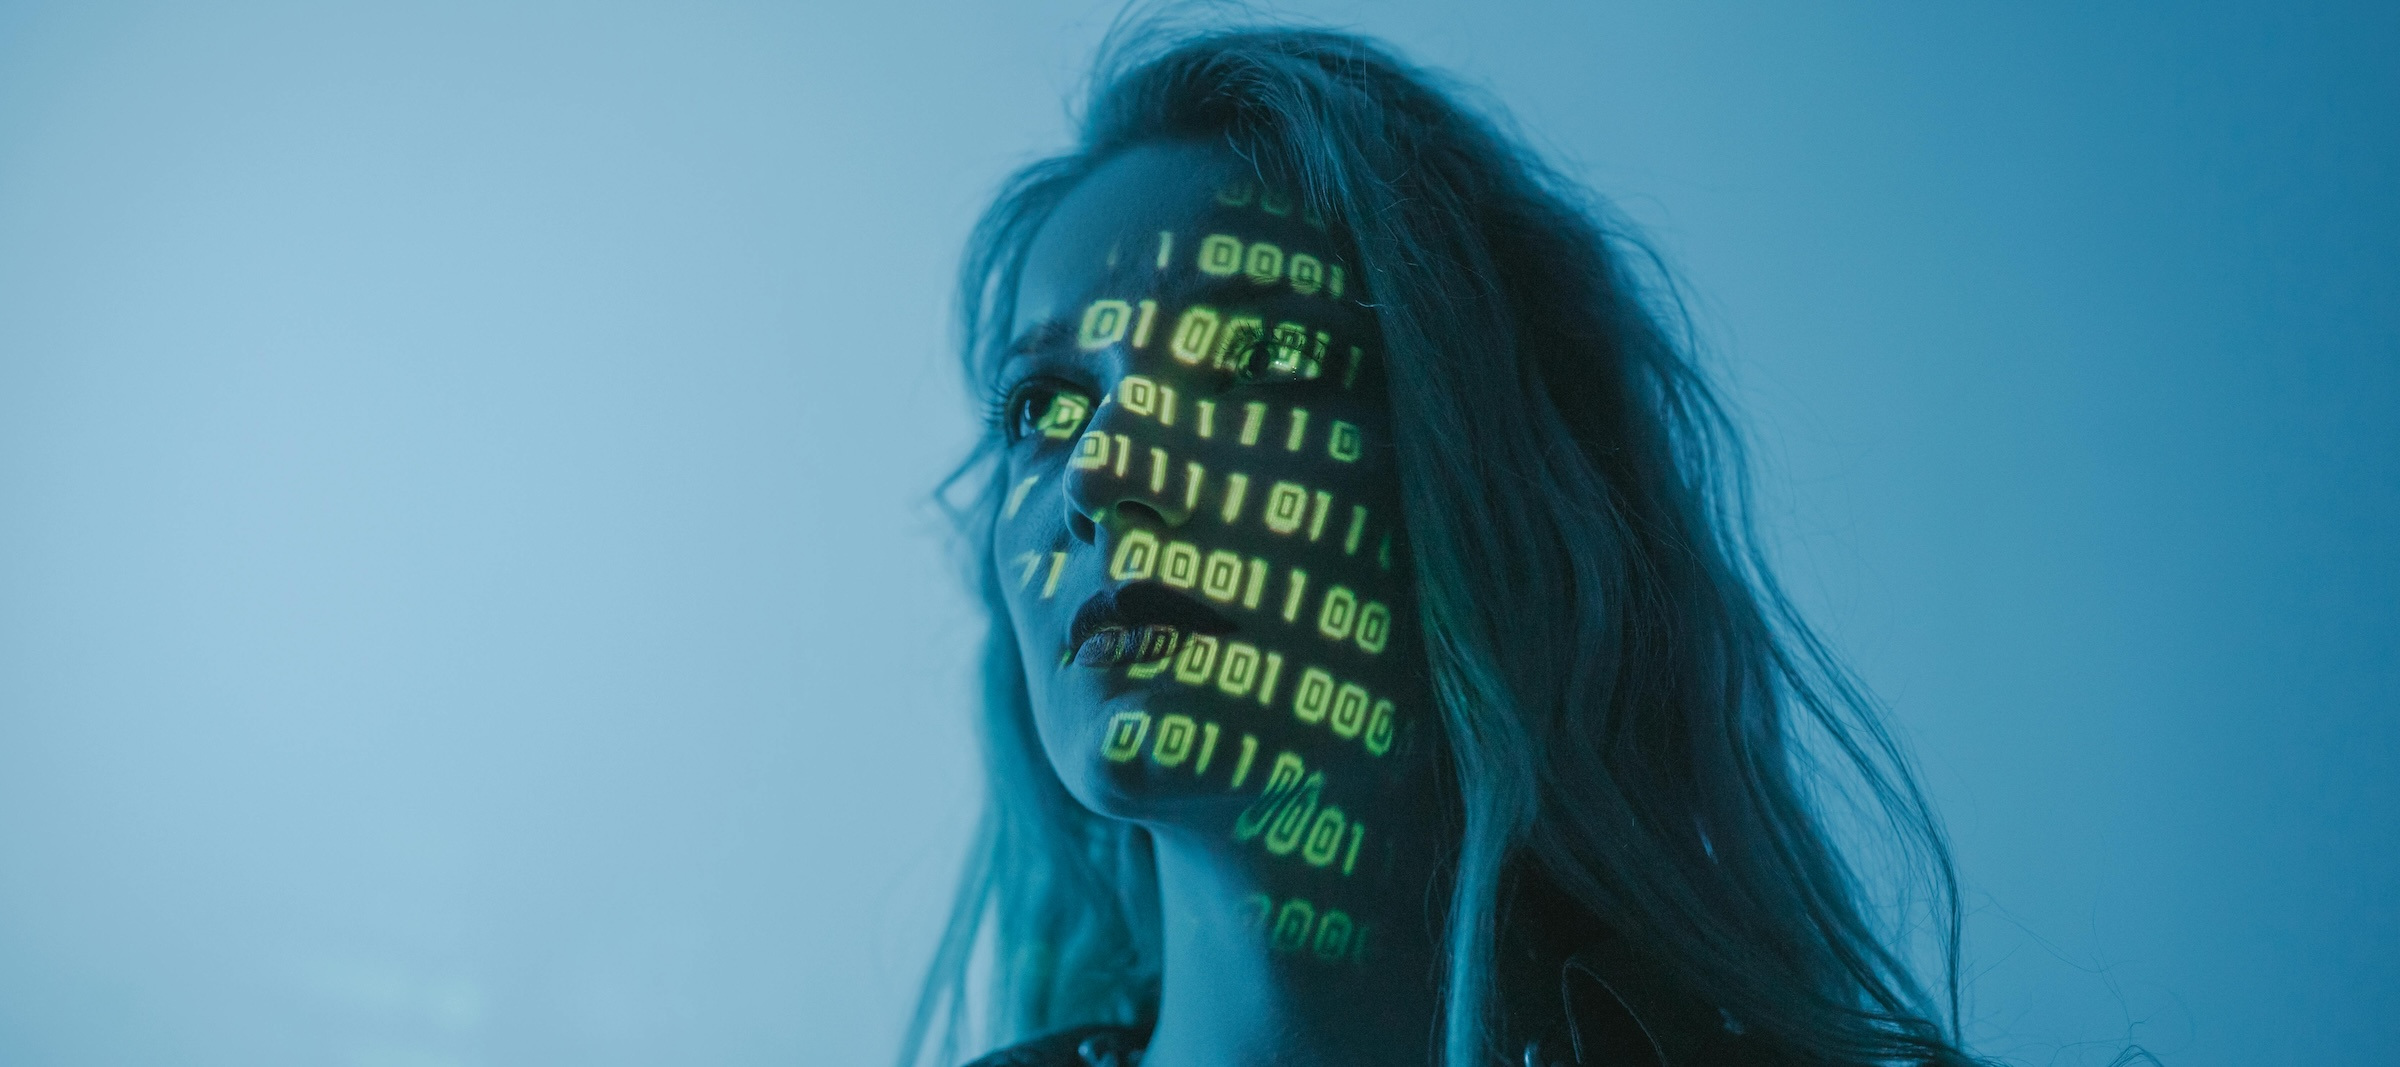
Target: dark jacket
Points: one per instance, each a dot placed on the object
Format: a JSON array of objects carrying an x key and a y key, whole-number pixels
[
  {"x": 1606, "y": 1015},
  {"x": 1573, "y": 993}
]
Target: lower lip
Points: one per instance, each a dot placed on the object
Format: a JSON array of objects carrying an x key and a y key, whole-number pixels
[{"x": 1120, "y": 646}]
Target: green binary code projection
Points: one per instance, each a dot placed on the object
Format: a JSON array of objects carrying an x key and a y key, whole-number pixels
[{"x": 1239, "y": 422}]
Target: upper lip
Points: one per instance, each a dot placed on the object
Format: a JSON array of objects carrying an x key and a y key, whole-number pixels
[{"x": 1146, "y": 603}]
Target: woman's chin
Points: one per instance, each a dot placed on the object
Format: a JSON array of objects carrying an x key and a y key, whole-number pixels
[
  {"x": 1146, "y": 756},
  {"x": 1138, "y": 793}
]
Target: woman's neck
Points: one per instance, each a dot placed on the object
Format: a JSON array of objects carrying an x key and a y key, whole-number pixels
[{"x": 1268, "y": 965}]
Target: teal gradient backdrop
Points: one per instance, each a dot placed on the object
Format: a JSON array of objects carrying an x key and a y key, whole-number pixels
[{"x": 466, "y": 598}]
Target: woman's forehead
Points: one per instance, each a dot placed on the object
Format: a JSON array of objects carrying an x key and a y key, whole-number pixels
[
  {"x": 1139, "y": 190},
  {"x": 1110, "y": 223}
]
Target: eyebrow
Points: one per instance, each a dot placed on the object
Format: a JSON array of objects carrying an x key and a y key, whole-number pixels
[
  {"x": 1048, "y": 335},
  {"x": 1058, "y": 334}
]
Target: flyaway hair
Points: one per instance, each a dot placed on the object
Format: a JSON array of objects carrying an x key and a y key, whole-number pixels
[{"x": 1638, "y": 717}]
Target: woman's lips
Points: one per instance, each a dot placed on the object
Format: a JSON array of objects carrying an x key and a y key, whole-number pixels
[
  {"x": 1136, "y": 623},
  {"x": 1117, "y": 646}
]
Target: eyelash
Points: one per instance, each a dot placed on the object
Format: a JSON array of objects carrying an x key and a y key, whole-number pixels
[
  {"x": 1253, "y": 369},
  {"x": 996, "y": 402},
  {"x": 1002, "y": 404},
  {"x": 1001, "y": 401}
]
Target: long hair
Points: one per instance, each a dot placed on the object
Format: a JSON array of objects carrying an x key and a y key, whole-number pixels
[{"x": 1635, "y": 712}]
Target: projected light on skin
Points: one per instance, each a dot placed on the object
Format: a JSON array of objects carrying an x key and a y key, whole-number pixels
[{"x": 1199, "y": 548}]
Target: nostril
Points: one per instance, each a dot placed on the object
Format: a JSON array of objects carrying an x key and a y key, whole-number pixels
[
  {"x": 1082, "y": 527},
  {"x": 1137, "y": 511}
]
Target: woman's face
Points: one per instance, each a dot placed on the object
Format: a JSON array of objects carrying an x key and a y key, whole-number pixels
[{"x": 1197, "y": 538}]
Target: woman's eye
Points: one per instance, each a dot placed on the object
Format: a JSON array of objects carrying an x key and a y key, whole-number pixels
[
  {"x": 1041, "y": 409},
  {"x": 1285, "y": 354}
]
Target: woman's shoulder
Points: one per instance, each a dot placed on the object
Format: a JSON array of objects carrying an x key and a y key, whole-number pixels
[{"x": 1083, "y": 1046}]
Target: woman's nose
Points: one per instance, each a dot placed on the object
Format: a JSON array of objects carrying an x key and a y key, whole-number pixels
[{"x": 1121, "y": 473}]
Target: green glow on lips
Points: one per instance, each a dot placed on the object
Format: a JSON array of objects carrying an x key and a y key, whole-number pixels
[{"x": 1134, "y": 646}]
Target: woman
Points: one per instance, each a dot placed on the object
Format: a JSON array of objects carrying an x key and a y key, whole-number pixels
[{"x": 1377, "y": 673}]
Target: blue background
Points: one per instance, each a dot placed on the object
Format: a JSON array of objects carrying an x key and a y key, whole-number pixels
[{"x": 468, "y": 596}]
